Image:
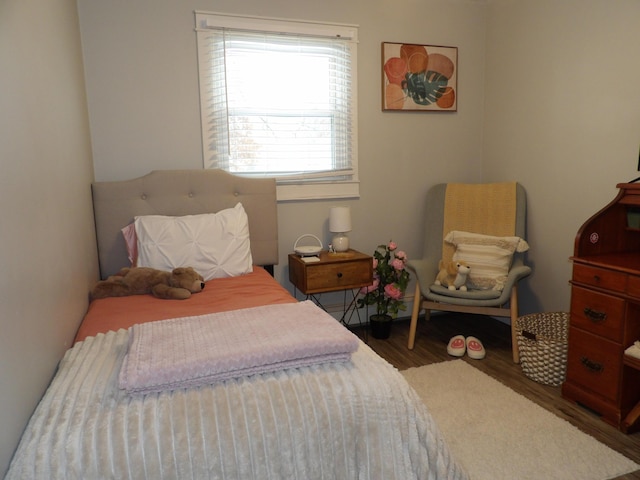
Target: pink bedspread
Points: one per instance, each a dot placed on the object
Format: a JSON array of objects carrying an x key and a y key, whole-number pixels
[
  {"x": 195, "y": 351},
  {"x": 221, "y": 294}
]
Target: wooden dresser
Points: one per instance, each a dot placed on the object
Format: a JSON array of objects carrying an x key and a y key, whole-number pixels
[{"x": 605, "y": 312}]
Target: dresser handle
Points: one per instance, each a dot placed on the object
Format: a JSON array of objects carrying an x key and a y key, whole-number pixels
[
  {"x": 339, "y": 274},
  {"x": 591, "y": 365},
  {"x": 596, "y": 278},
  {"x": 594, "y": 315}
]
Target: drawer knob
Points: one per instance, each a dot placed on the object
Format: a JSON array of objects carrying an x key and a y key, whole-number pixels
[
  {"x": 596, "y": 278},
  {"x": 594, "y": 315},
  {"x": 591, "y": 365},
  {"x": 339, "y": 274}
]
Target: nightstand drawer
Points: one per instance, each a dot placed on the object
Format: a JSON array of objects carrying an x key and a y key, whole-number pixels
[
  {"x": 333, "y": 272},
  {"x": 594, "y": 363},
  {"x": 338, "y": 276},
  {"x": 600, "y": 277},
  {"x": 597, "y": 313}
]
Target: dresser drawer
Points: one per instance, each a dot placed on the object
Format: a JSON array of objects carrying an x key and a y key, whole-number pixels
[
  {"x": 599, "y": 277},
  {"x": 336, "y": 276},
  {"x": 594, "y": 363},
  {"x": 597, "y": 313},
  {"x": 633, "y": 287}
]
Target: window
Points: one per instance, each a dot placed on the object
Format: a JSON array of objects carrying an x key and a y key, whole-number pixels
[{"x": 278, "y": 100}]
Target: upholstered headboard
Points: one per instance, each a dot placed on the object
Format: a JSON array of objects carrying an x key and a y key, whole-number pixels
[{"x": 183, "y": 192}]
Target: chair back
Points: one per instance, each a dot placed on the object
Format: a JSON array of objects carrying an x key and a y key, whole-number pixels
[{"x": 497, "y": 209}]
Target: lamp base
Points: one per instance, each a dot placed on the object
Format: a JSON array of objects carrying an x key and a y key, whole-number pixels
[{"x": 340, "y": 242}]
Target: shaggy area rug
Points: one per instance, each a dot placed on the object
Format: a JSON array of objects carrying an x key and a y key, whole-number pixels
[{"x": 496, "y": 433}]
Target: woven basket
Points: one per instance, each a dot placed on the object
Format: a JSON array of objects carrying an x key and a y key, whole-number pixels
[{"x": 543, "y": 346}]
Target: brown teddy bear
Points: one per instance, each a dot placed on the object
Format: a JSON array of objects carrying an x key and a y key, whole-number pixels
[
  {"x": 453, "y": 275},
  {"x": 178, "y": 284}
]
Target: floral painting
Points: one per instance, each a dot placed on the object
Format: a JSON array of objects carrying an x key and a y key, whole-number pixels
[{"x": 419, "y": 77}]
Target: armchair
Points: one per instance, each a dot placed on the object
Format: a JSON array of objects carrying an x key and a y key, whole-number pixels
[{"x": 496, "y": 209}]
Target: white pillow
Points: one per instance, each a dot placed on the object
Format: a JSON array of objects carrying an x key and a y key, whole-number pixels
[
  {"x": 216, "y": 245},
  {"x": 489, "y": 257}
]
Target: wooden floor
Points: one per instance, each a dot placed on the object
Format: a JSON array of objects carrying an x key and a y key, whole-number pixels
[{"x": 431, "y": 346}]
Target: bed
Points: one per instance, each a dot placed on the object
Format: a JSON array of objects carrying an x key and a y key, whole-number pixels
[{"x": 352, "y": 417}]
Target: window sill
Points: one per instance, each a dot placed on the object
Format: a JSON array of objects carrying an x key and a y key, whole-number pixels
[{"x": 318, "y": 191}]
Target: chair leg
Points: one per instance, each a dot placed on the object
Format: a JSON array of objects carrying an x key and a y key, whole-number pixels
[
  {"x": 514, "y": 317},
  {"x": 417, "y": 300}
]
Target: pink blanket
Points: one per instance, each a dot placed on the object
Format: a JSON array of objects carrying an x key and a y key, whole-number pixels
[{"x": 193, "y": 351}]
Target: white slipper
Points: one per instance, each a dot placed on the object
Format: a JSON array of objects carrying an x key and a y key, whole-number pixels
[
  {"x": 456, "y": 346},
  {"x": 475, "y": 349}
]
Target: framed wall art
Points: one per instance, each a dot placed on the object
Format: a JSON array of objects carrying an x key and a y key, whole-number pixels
[{"x": 419, "y": 77}]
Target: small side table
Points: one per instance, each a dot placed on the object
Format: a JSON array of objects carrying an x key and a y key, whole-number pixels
[{"x": 334, "y": 272}]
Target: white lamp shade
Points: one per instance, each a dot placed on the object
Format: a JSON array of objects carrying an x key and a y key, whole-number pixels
[{"x": 340, "y": 219}]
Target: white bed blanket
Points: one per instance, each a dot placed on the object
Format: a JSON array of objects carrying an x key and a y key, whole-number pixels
[
  {"x": 358, "y": 420},
  {"x": 194, "y": 351}
]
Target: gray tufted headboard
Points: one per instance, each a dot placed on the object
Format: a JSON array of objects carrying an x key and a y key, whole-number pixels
[{"x": 183, "y": 192}]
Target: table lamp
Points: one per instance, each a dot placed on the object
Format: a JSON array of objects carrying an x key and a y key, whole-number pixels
[{"x": 340, "y": 224}]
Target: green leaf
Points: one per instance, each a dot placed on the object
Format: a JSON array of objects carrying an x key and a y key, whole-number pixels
[{"x": 427, "y": 87}]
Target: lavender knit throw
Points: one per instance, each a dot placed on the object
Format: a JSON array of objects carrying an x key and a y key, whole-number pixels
[{"x": 193, "y": 351}]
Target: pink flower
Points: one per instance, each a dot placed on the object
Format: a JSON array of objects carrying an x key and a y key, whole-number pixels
[
  {"x": 390, "y": 279},
  {"x": 370, "y": 288},
  {"x": 392, "y": 291},
  {"x": 397, "y": 264}
]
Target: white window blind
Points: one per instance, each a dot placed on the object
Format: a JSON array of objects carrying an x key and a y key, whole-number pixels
[{"x": 278, "y": 99}]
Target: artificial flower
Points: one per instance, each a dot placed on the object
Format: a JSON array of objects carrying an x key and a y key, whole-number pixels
[{"x": 390, "y": 280}]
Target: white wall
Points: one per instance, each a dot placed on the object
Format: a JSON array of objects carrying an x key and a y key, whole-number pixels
[
  {"x": 47, "y": 254},
  {"x": 547, "y": 96},
  {"x": 142, "y": 84},
  {"x": 563, "y": 117}
]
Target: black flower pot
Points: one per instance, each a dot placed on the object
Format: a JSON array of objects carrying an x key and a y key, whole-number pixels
[{"x": 380, "y": 326}]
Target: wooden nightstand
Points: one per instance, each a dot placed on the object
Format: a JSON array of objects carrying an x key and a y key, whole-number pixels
[{"x": 334, "y": 272}]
